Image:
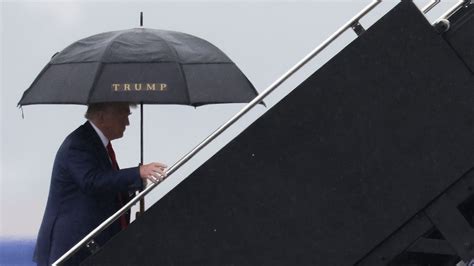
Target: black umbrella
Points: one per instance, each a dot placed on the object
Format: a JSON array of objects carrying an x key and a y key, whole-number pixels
[
  {"x": 140, "y": 66},
  {"x": 143, "y": 66}
]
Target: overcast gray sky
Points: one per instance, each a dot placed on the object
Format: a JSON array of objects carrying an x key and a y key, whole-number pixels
[{"x": 264, "y": 38}]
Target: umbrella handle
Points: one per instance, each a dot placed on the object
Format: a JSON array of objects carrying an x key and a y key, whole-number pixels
[
  {"x": 142, "y": 200},
  {"x": 142, "y": 205},
  {"x": 142, "y": 208}
]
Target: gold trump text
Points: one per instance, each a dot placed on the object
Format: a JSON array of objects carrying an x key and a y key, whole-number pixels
[{"x": 139, "y": 87}]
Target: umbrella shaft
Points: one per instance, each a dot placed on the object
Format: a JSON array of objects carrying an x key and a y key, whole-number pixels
[
  {"x": 141, "y": 133},
  {"x": 142, "y": 200}
]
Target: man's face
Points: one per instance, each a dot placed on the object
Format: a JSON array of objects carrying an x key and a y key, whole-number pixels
[{"x": 114, "y": 119}]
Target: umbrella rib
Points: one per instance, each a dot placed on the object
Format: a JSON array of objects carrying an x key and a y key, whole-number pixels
[
  {"x": 180, "y": 68},
  {"x": 185, "y": 82},
  {"x": 101, "y": 65},
  {"x": 33, "y": 83},
  {"x": 96, "y": 77}
]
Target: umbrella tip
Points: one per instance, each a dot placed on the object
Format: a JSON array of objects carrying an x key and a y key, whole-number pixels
[
  {"x": 141, "y": 19},
  {"x": 22, "y": 114}
]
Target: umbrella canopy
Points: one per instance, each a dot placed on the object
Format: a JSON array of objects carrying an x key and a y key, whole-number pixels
[{"x": 140, "y": 65}]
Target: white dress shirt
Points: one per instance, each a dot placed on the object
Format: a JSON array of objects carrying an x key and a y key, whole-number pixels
[{"x": 102, "y": 137}]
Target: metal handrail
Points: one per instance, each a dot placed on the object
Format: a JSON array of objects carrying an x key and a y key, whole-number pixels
[
  {"x": 430, "y": 6},
  {"x": 453, "y": 10},
  {"x": 217, "y": 132}
]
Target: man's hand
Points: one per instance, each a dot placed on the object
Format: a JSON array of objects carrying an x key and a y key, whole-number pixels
[{"x": 155, "y": 172}]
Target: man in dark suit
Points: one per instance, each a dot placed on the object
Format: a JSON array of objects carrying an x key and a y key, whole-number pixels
[{"x": 87, "y": 186}]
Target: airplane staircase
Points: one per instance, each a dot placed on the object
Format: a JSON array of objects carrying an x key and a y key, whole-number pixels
[{"x": 369, "y": 161}]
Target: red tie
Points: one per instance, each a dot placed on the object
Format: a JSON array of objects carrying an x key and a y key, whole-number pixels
[{"x": 110, "y": 150}]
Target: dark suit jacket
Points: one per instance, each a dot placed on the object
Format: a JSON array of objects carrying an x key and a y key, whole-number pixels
[{"x": 82, "y": 194}]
